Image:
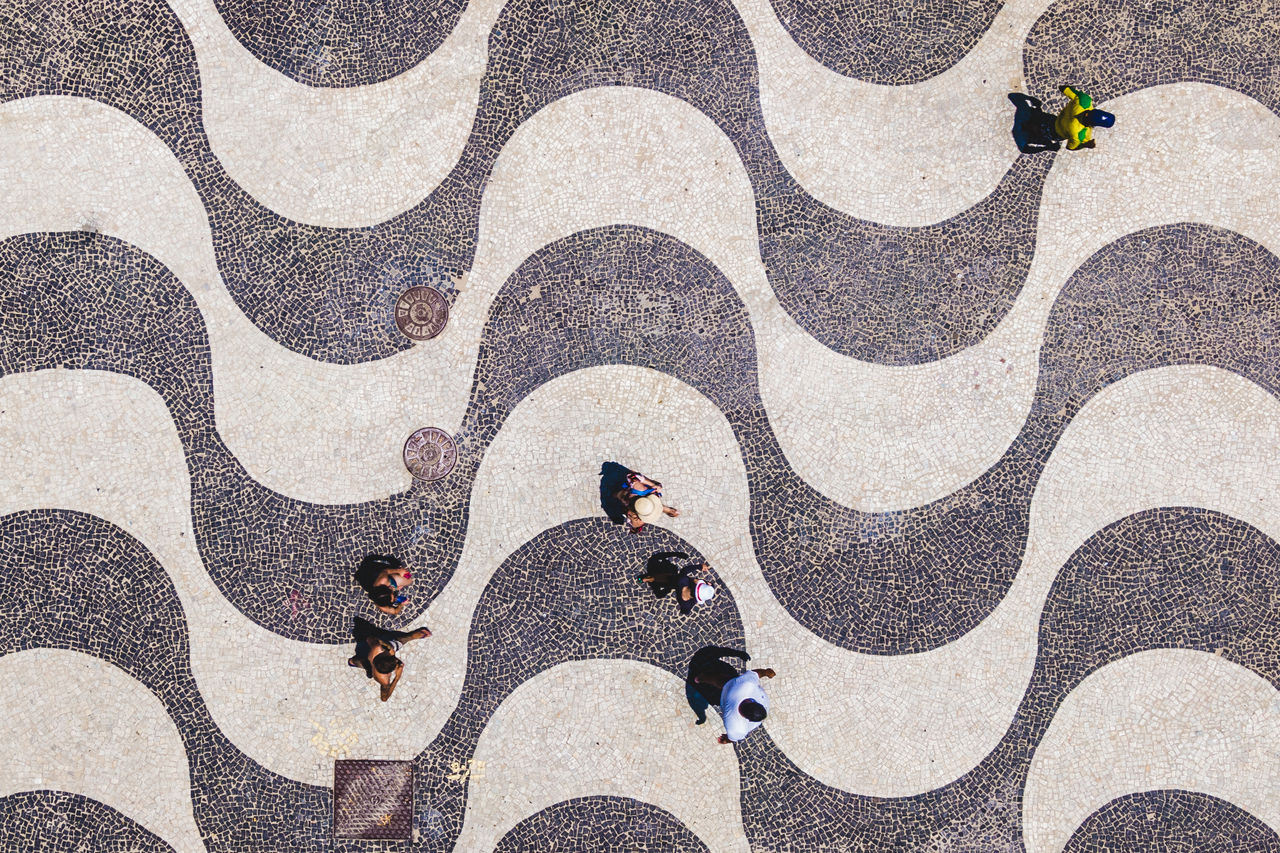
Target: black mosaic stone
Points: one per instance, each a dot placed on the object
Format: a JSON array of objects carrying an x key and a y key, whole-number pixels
[
  {"x": 329, "y": 292},
  {"x": 341, "y": 42},
  {"x": 590, "y": 824},
  {"x": 1172, "y": 577},
  {"x": 62, "y": 822},
  {"x": 126, "y": 612},
  {"x": 1112, "y": 47},
  {"x": 885, "y": 42},
  {"x": 1172, "y": 821},
  {"x": 898, "y": 295},
  {"x": 890, "y": 582},
  {"x": 572, "y": 593},
  {"x": 906, "y": 580},
  {"x": 79, "y": 300}
]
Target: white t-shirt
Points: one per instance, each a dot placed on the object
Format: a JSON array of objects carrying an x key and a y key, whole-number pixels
[{"x": 745, "y": 686}]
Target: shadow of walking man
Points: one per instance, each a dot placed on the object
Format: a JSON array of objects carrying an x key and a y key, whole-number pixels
[{"x": 1032, "y": 126}]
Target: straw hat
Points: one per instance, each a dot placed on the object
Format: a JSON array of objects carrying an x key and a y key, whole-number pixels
[{"x": 649, "y": 508}]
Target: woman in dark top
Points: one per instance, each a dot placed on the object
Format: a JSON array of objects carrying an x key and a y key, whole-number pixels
[
  {"x": 384, "y": 578},
  {"x": 665, "y": 577}
]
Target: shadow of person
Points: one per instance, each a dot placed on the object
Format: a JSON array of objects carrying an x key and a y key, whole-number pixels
[
  {"x": 696, "y": 701},
  {"x": 613, "y": 478},
  {"x": 707, "y": 677},
  {"x": 1032, "y": 126},
  {"x": 664, "y": 571}
]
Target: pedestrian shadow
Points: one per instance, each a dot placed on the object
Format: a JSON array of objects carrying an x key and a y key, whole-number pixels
[
  {"x": 1032, "y": 126},
  {"x": 659, "y": 564},
  {"x": 613, "y": 477},
  {"x": 707, "y": 662}
]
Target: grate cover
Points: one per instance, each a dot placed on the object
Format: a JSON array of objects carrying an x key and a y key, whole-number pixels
[{"x": 373, "y": 799}]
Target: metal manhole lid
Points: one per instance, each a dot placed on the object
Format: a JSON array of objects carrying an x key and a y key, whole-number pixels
[
  {"x": 373, "y": 799},
  {"x": 429, "y": 453},
  {"x": 421, "y": 313}
]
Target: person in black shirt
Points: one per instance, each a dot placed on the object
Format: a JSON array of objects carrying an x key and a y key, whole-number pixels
[{"x": 664, "y": 576}]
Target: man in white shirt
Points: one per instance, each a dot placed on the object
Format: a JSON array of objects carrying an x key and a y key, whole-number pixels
[{"x": 743, "y": 704}]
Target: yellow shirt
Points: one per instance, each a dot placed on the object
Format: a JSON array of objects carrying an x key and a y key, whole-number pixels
[{"x": 1067, "y": 125}]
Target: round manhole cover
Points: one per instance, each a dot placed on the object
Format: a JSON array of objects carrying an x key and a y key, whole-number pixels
[
  {"x": 430, "y": 453},
  {"x": 421, "y": 312}
]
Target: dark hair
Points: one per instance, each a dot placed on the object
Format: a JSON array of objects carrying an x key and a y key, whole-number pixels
[
  {"x": 370, "y": 568},
  {"x": 386, "y": 664},
  {"x": 382, "y": 596},
  {"x": 752, "y": 710}
]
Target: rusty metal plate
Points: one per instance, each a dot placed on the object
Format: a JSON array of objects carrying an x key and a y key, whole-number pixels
[
  {"x": 373, "y": 799},
  {"x": 430, "y": 453},
  {"x": 421, "y": 313}
]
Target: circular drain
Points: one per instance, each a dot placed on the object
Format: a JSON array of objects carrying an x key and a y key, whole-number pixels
[
  {"x": 421, "y": 313},
  {"x": 430, "y": 453}
]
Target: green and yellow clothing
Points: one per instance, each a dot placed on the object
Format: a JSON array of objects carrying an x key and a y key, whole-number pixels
[{"x": 1067, "y": 125}]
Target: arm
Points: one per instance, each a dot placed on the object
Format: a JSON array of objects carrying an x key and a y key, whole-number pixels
[
  {"x": 646, "y": 481},
  {"x": 1079, "y": 97},
  {"x": 392, "y": 611},
  {"x": 723, "y": 739}
]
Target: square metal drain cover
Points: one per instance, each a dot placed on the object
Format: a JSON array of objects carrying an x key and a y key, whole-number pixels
[{"x": 373, "y": 799}]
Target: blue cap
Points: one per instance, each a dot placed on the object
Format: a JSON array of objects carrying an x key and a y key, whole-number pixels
[{"x": 1096, "y": 118}]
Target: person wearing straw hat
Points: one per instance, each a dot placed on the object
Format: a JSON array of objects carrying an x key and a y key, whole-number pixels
[
  {"x": 642, "y": 501},
  {"x": 664, "y": 576}
]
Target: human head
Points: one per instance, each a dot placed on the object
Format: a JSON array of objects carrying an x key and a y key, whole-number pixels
[
  {"x": 1096, "y": 118},
  {"x": 382, "y": 596},
  {"x": 704, "y": 592},
  {"x": 386, "y": 663},
  {"x": 752, "y": 710}
]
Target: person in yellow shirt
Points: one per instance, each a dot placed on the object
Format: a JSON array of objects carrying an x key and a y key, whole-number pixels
[{"x": 1078, "y": 118}]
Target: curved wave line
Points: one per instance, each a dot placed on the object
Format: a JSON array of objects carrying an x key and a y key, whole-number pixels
[
  {"x": 839, "y": 404},
  {"x": 911, "y": 706},
  {"x": 624, "y": 734},
  {"x": 75, "y": 726},
  {"x": 1165, "y": 718}
]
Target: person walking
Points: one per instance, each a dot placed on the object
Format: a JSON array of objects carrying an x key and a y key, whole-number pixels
[
  {"x": 743, "y": 704},
  {"x": 376, "y": 653},
  {"x": 665, "y": 577},
  {"x": 641, "y": 499},
  {"x": 1076, "y": 121},
  {"x": 1035, "y": 130},
  {"x": 384, "y": 579},
  {"x": 742, "y": 700}
]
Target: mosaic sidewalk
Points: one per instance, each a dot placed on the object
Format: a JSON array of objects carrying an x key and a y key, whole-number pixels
[{"x": 982, "y": 448}]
